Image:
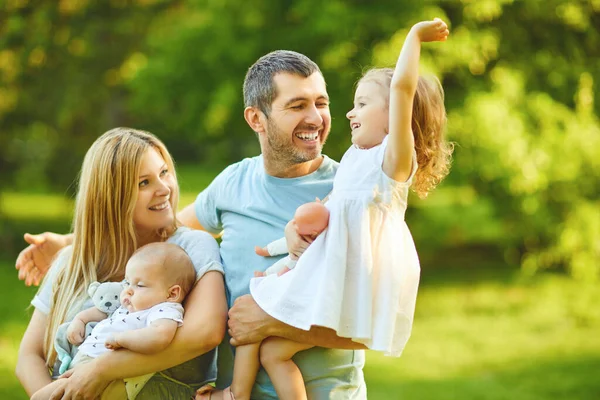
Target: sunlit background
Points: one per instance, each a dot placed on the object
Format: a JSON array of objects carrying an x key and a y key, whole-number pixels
[{"x": 509, "y": 243}]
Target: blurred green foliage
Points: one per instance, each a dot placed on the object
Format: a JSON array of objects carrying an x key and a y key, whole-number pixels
[{"x": 520, "y": 80}]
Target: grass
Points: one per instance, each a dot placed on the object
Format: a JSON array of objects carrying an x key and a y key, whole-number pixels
[
  {"x": 480, "y": 333},
  {"x": 476, "y": 338}
]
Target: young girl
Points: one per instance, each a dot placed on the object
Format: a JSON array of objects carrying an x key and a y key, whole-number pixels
[{"x": 360, "y": 276}]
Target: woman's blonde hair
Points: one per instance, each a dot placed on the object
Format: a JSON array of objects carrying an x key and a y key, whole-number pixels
[
  {"x": 434, "y": 153},
  {"x": 103, "y": 227}
]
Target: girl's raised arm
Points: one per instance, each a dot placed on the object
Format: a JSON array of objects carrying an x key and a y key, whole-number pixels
[{"x": 397, "y": 163}]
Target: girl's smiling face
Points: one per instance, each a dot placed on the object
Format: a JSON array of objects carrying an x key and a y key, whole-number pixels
[{"x": 369, "y": 118}]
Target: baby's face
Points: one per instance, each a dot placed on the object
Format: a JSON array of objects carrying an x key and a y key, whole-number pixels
[
  {"x": 369, "y": 119},
  {"x": 145, "y": 286}
]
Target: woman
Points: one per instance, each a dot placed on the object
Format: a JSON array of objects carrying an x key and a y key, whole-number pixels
[{"x": 127, "y": 197}]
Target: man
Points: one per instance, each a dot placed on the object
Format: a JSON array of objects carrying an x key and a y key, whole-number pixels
[
  {"x": 250, "y": 202},
  {"x": 287, "y": 106}
]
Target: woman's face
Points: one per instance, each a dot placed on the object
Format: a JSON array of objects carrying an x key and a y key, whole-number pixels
[{"x": 154, "y": 205}]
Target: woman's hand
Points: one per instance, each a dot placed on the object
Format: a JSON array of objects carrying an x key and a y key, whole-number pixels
[
  {"x": 35, "y": 260},
  {"x": 83, "y": 383},
  {"x": 296, "y": 243}
]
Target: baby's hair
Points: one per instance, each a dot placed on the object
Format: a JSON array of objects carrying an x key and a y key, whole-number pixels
[
  {"x": 434, "y": 153},
  {"x": 175, "y": 264}
]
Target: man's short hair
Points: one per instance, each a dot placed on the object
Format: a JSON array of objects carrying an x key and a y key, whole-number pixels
[{"x": 259, "y": 86}]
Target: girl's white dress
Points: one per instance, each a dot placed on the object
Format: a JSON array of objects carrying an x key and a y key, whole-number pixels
[{"x": 360, "y": 276}]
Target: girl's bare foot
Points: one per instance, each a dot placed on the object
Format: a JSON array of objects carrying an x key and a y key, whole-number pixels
[{"x": 204, "y": 393}]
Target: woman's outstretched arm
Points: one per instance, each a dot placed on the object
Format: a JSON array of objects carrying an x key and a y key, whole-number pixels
[{"x": 34, "y": 261}]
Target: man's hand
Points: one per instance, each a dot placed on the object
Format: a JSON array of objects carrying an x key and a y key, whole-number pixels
[
  {"x": 35, "y": 260},
  {"x": 248, "y": 323},
  {"x": 76, "y": 332},
  {"x": 296, "y": 243},
  {"x": 84, "y": 383}
]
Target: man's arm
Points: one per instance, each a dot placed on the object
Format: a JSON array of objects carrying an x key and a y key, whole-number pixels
[
  {"x": 248, "y": 323},
  {"x": 203, "y": 329},
  {"x": 149, "y": 340},
  {"x": 317, "y": 336},
  {"x": 188, "y": 217}
]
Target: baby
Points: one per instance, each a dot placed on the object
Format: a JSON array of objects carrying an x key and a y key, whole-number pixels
[{"x": 157, "y": 278}]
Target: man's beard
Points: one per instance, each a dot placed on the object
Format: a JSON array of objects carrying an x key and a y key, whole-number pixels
[{"x": 285, "y": 153}]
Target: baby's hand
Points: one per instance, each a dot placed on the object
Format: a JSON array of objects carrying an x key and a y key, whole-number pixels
[
  {"x": 259, "y": 274},
  {"x": 112, "y": 343},
  {"x": 432, "y": 31},
  {"x": 76, "y": 332}
]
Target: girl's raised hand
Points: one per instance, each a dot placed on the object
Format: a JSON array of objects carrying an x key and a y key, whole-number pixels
[{"x": 432, "y": 31}]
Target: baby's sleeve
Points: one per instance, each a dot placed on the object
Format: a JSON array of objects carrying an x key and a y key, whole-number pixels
[{"x": 173, "y": 311}]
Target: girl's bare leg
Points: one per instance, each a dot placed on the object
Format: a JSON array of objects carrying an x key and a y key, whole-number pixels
[
  {"x": 276, "y": 357},
  {"x": 245, "y": 368}
]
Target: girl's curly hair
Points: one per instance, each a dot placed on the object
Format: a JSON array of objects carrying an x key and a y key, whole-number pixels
[{"x": 434, "y": 152}]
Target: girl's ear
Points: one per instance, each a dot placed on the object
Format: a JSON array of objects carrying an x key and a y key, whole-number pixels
[
  {"x": 175, "y": 293},
  {"x": 254, "y": 117}
]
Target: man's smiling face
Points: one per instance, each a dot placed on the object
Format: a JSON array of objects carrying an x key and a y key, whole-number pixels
[{"x": 299, "y": 120}]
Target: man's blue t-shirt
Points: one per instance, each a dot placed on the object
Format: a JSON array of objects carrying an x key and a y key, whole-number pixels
[{"x": 252, "y": 209}]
